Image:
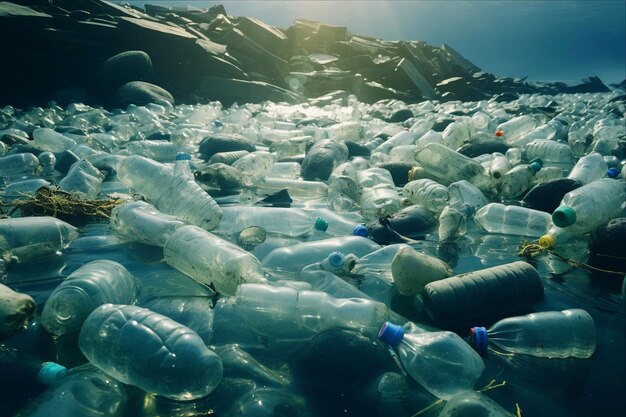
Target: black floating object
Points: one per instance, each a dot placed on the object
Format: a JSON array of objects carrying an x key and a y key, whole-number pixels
[
  {"x": 278, "y": 199},
  {"x": 483, "y": 295},
  {"x": 357, "y": 149},
  {"x": 607, "y": 250},
  {"x": 400, "y": 116},
  {"x": 547, "y": 196},
  {"x": 216, "y": 143},
  {"x": 399, "y": 171},
  {"x": 382, "y": 233},
  {"x": 474, "y": 149},
  {"x": 65, "y": 161},
  {"x": 413, "y": 222}
]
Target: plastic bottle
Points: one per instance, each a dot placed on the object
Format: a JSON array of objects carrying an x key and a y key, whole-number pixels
[
  {"x": 498, "y": 166},
  {"x": 589, "y": 168},
  {"x": 25, "y": 238},
  {"x": 547, "y": 334},
  {"x": 343, "y": 187},
  {"x": 322, "y": 158},
  {"x": 439, "y": 361},
  {"x": 297, "y": 188},
  {"x": 49, "y": 140},
  {"x": 427, "y": 193},
  {"x": 172, "y": 194},
  {"x": 25, "y": 371},
  {"x": 278, "y": 220},
  {"x": 519, "y": 179},
  {"x": 472, "y": 404},
  {"x": 141, "y": 221},
  {"x": 93, "y": 284},
  {"x": 139, "y": 347},
  {"x": 516, "y": 127},
  {"x": 254, "y": 166},
  {"x": 208, "y": 259},
  {"x": 289, "y": 170},
  {"x": 19, "y": 189},
  {"x": 285, "y": 314},
  {"x": 447, "y": 164},
  {"x": 17, "y": 165},
  {"x": 453, "y": 222},
  {"x": 462, "y": 194},
  {"x": 83, "y": 178},
  {"x": 551, "y": 152},
  {"x": 513, "y": 220},
  {"x": 227, "y": 158},
  {"x": 462, "y": 298},
  {"x": 591, "y": 205},
  {"x": 158, "y": 150},
  {"x": 404, "y": 137},
  {"x": 379, "y": 197},
  {"x": 47, "y": 160},
  {"x": 412, "y": 270}
]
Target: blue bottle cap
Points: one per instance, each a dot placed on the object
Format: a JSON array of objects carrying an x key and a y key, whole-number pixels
[
  {"x": 391, "y": 334},
  {"x": 479, "y": 338},
  {"x": 535, "y": 166},
  {"x": 564, "y": 216},
  {"x": 183, "y": 156},
  {"x": 360, "y": 230},
  {"x": 612, "y": 173},
  {"x": 336, "y": 259},
  {"x": 50, "y": 373},
  {"x": 321, "y": 224}
]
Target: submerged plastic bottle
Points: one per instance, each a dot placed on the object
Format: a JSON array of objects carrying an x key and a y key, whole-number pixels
[
  {"x": 322, "y": 158},
  {"x": 210, "y": 259},
  {"x": 278, "y": 220},
  {"x": 170, "y": 193},
  {"x": 547, "y": 334},
  {"x": 93, "y": 284},
  {"x": 439, "y": 361},
  {"x": 428, "y": 193},
  {"x": 513, "y": 220},
  {"x": 472, "y": 404},
  {"x": 139, "y": 347},
  {"x": 24, "y": 370},
  {"x": 591, "y": 205}
]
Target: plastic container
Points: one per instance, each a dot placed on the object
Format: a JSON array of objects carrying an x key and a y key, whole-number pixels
[
  {"x": 513, "y": 220},
  {"x": 441, "y": 362},
  {"x": 453, "y": 222},
  {"x": 591, "y": 205},
  {"x": 518, "y": 179},
  {"x": 589, "y": 168},
  {"x": 139, "y": 347},
  {"x": 427, "y": 193},
  {"x": 84, "y": 179},
  {"x": 227, "y": 158},
  {"x": 491, "y": 292},
  {"x": 322, "y": 158},
  {"x": 379, "y": 197},
  {"x": 158, "y": 150},
  {"x": 172, "y": 194},
  {"x": 300, "y": 189},
  {"x": 447, "y": 164},
  {"x": 516, "y": 127},
  {"x": 19, "y": 189},
  {"x": 93, "y": 284},
  {"x": 18, "y": 165},
  {"x": 276, "y": 220},
  {"x": 209, "y": 259},
  {"x": 551, "y": 152},
  {"x": 343, "y": 187},
  {"x": 49, "y": 140},
  {"x": 472, "y": 404},
  {"x": 547, "y": 334},
  {"x": 26, "y": 371},
  {"x": 26, "y": 238},
  {"x": 463, "y": 193},
  {"x": 254, "y": 166}
]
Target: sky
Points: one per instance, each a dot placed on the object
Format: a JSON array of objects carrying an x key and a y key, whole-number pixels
[{"x": 544, "y": 40}]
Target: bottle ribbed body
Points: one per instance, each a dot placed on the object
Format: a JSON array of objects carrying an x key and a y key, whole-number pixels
[
  {"x": 589, "y": 168},
  {"x": 95, "y": 283},
  {"x": 18, "y": 164},
  {"x": 277, "y": 220},
  {"x": 551, "y": 152},
  {"x": 379, "y": 196},
  {"x": 143, "y": 222},
  {"x": 427, "y": 193},
  {"x": 513, "y": 220},
  {"x": 83, "y": 178},
  {"x": 139, "y": 347},
  {"x": 210, "y": 259},
  {"x": 447, "y": 164},
  {"x": 548, "y": 334}
]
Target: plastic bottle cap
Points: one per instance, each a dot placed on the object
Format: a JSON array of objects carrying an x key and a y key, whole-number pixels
[
  {"x": 360, "y": 230},
  {"x": 535, "y": 166},
  {"x": 479, "y": 338},
  {"x": 50, "y": 373},
  {"x": 336, "y": 259},
  {"x": 564, "y": 216},
  {"x": 391, "y": 334},
  {"x": 612, "y": 173},
  {"x": 547, "y": 241},
  {"x": 321, "y": 224},
  {"x": 183, "y": 156}
]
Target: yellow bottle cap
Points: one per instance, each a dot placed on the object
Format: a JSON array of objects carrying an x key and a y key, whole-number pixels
[{"x": 547, "y": 241}]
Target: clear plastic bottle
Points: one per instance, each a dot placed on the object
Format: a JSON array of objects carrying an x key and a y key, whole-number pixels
[
  {"x": 159, "y": 150},
  {"x": 404, "y": 137},
  {"x": 463, "y": 193},
  {"x": 172, "y": 194},
  {"x": 513, "y": 220},
  {"x": 19, "y": 164},
  {"x": 427, "y": 193},
  {"x": 516, "y": 127},
  {"x": 227, "y": 158},
  {"x": 551, "y": 152},
  {"x": 518, "y": 179},
  {"x": 208, "y": 259},
  {"x": 591, "y": 205},
  {"x": 93, "y": 284},
  {"x": 83, "y": 178},
  {"x": 47, "y": 139},
  {"x": 547, "y": 334},
  {"x": 441, "y": 362},
  {"x": 47, "y": 160},
  {"x": 254, "y": 166},
  {"x": 589, "y": 168},
  {"x": 18, "y": 189},
  {"x": 379, "y": 197},
  {"x": 143, "y": 222},
  {"x": 472, "y": 404},
  {"x": 447, "y": 164},
  {"x": 139, "y": 347},
  {"x": 343, "y": 187},
  {"x": 277, "y": 220},
  {"x": 283, "y": 313},
  {"x": 453, "y": 222},
  {"x": 297, "y": 188},
  {"x": 25, "y": 238}
]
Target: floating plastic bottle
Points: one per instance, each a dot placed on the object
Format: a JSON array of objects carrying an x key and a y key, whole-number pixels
[
  {"x": 379, "y": 197},
  {"x": 472, "y": 404},
  {"x": 158, "y": 150},
  {"x": 210, "y": 259},
  {"x": 322, "y": 158},
  {"x": 93, "y": 284},
  {"x": 83, "y": 178},
  {"x": 591, "y": 205},
  {"x": 518, "y": 179},
  {"x": 26, "y": 371},
  {"x": 139, "y": 347},
  {"x": 254, "y": 166},
  {"x": 551, "y": 152},
  {"x": 49, "y": 140},
  {"x": 427, "y": 193},
  {"x": 18, "y": 165},
  {"x": 447, "y": 164},
  {"x": 463, "y": 298},
  {"x": 547, "y": 334},
  {"x": 439, "y": 361},
  {"x": 298, "y": 188},
  {"x": 278, "y": 220},
  {"x": 172, "y": 194},
  {"x": 412, "y": 270},
  {"x": 516, "y": 127},
  {"x": 513, "y": 220},
  {"x": 589, "y": 168}
]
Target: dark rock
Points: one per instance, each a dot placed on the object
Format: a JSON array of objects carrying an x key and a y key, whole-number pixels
[
  {"x": 547, "y": 196},
  {"x": 65, "y": 161},
  {"x": 322, "y": 158},
  {"x": 217, "y": 143},
  {"x": 591, "y": 84},
  {"x": 399, "y": 171},
  {"x": 400, "y": 116},
  {"x": 481, "y": 147},
  {"x": 141, "y": 93},
  {"x": 414, "y": 221},
  {"x": 123, "y": 68},
  {"x": 278, "y": 199},
  {"x": 357, "y": 149},
  {"x": 607, "y": 250},
  {"x": 505, "y": 97}
]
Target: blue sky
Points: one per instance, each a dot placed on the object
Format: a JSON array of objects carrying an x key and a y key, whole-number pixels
[{"x": 548, "y": 40}]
